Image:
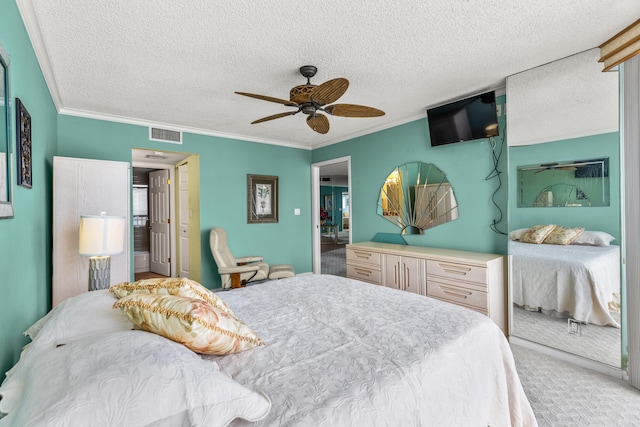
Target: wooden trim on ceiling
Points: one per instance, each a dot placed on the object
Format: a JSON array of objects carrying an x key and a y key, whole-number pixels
[{"x": 621, "y": 47}]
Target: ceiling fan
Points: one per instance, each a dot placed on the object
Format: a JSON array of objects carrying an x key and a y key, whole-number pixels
[{"x": 311, "y": 99}]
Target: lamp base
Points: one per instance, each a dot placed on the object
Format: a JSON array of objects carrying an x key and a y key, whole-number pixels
[{"x": 99, "y": 272}]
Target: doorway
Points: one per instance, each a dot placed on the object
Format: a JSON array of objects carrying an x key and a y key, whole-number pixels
[
  {"x": 163, "y": 196},
  {"x": 332, "y": 222}
]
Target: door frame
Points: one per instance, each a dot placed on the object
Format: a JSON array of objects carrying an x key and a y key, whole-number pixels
[{"x": 315, "y": 206}]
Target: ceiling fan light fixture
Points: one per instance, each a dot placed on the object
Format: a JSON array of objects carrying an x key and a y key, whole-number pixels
[{"x": 309, "y": 109}]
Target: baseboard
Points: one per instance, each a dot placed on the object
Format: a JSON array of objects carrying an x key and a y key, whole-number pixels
[{"x": 571, "y": 358}]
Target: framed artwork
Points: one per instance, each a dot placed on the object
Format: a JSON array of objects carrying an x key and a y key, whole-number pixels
[
  {"x": 23, "y": 142},
  {"x": 262, "y": 199},
  {"x": 328, "y": 202}
]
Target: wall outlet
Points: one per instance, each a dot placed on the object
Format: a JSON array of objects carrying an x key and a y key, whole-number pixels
[{"x": 574, "y": 327}]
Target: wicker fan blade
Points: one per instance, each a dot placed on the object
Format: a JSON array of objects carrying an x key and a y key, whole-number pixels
[
  {"x": 318, "y": 122},
  {"x": 269, "y": 98},
  {"x": 351, "y": 110},
  {"x": 275, "y": 116},
  {"x": 329, "y": 92}
]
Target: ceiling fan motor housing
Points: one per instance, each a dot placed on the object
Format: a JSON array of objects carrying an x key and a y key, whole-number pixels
[{"x": 301, "y": 94}]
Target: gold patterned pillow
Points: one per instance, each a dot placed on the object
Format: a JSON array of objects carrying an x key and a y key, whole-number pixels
[
  {"x": 537, "y": 233},
  {"x": 563, "y": 236},
  {"x": 189, "y": 321},
  {"x": 178, "y": 286}
]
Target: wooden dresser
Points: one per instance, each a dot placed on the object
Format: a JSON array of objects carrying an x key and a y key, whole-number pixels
[{"x": 473, "y": 280}]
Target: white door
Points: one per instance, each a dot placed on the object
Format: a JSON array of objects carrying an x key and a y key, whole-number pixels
[
  {"x": 159, "y": 222},
  {"x": 183, "y": 218}
]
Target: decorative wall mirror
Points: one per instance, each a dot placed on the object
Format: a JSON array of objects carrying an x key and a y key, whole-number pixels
[
  {"x": 417, "y": 196},
  {"x": 6, "y": 206},
  {"x": 564, "y": 184}
]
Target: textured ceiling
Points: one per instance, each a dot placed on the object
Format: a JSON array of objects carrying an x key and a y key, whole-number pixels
[{"x": 177, "y": 64}]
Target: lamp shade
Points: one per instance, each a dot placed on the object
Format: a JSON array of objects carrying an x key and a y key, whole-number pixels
[{"x": 101, "y": 235}]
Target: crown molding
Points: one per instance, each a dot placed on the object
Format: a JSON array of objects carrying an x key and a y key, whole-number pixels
[{"x": 141, "y": 122}]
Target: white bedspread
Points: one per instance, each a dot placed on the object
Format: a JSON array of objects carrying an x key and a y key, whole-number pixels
[
  {"x": 576, "y": 280},
  {"x": 342, "y": 352}
]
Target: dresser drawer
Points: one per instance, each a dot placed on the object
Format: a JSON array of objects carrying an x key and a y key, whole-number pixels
[
  {"x": 363, "y": 257},
  {"x": 364, "y": 273},
  {"x": 457, "y": 293},
  {"x": 457, "y": 271}
]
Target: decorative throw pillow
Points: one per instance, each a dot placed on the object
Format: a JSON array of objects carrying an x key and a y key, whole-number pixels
[
  {"x": 537, "y": 233},
  {"x": 594, "y": 238},
  {"x": 178, "y": 286},
  {"x": 563, "y": 236},
  {"x": 192, "y": 322},
  {"x": 516, "y": 234}
]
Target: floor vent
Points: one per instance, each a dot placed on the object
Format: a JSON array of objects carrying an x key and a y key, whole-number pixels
[{"x": 165, "y": 135}]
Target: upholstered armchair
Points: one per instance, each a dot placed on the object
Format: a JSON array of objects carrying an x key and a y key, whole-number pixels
[{"x": 235, "y": 272}]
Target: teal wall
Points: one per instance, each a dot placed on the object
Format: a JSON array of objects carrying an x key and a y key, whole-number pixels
[
  {"x": 585, "y": 148},
  {"x": 224, "y": 165},
  {"x": 467, "y": 165},
  {"x": 25, "y": 252}
]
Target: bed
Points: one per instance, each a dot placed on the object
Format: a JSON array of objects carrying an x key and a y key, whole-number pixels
[
  {"x": 577, "y": 281},
  {"x": 337, "y": 352}
]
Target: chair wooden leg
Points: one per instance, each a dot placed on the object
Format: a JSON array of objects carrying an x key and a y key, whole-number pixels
[{"x": 235, "y": 280}]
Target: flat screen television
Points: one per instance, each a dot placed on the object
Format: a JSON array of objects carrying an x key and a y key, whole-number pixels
[{"x": 464, "y": 120}]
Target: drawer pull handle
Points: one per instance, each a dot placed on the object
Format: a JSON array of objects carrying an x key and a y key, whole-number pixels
[
  {"x": 363, "y": 272},
  {"x": 454, "y": 269},
  {"x": 457, "y": 293},
  {"x": 362, "y": 254}
]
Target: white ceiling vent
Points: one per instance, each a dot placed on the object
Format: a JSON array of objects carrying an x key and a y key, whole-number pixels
[{"x": 165, "y": 135}]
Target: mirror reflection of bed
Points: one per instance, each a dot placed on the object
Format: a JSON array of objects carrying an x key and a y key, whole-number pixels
[{"x": 568, "y": 296}]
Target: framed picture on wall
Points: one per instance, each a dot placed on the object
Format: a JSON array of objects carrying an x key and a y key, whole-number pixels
[
  {"x": 262, "y": 199},
  {"x": 328, "y": 202},
  {"x": 23, "y": 142}
]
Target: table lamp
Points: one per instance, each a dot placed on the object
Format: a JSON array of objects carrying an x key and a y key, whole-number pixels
[{"x": 100, "y": 237}]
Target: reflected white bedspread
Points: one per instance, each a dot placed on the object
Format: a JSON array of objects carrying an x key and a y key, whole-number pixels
[
  {"x": 580, "y": 280},
  {"x": 342, "y": 352}
]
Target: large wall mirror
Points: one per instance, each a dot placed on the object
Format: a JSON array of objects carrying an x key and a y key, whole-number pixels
[
  {"x": 6, "y": 206},
  {"x": 565, "y": 290},
  {"x": 578, "y": 183},
  {"x": 416, "y": 196}
]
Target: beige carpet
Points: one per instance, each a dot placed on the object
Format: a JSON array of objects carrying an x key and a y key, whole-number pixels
[{"x": 563, "y": 394}]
